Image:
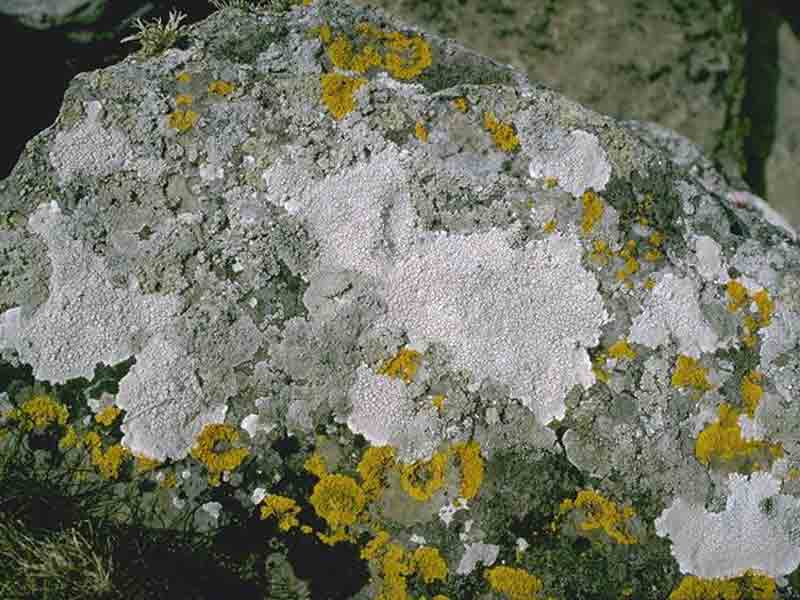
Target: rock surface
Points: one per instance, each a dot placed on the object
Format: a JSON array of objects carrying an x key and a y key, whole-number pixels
[
  {"x": 325, "y": 220},
  {"x": 46, "y": 14}
]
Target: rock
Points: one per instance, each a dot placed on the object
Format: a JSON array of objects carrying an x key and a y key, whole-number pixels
[
  {"x": 46, "y": 14},
  {"x": 327, "y": 221},
  {"x": 680, "y": 64}
]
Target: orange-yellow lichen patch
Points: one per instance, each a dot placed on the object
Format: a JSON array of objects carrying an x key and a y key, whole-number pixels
[
  {"x": 373, "y": 469},
  {"x": 722, "y": 442},
  {"x": 337, "y": 93},
  {"x": 649, "y": 283},
  {"x": 600, "y": 253},
  {"x": 751, "y": 392},
  {"x": 460, "y": 104},
  {"x": 421, "y": 132},
  {"x": 765, "y": 307},
  {"x": 39, "y": 412},
  {"x": 339, "y": 500},
  {"x": 183, "y": 120},
  {"x": 750, "y": 585},
  {"x": 108, "y": 415},
  {"x": 621, "y": 350},
  {"x": 109, "y": 461},
  {"x": 395, "y": 567},
  {"x": 516, "y": 584},
  {"x": 738, "y": 295},
  {"x": 183, "y": 77},
  {"x": 503, "y": 134},
  {"x": 368, "y": 58},
  {"x": 404, "y": 365},
  {"x": 550, "y": 183},
  {"x": 438, "y": 401},
  {"x": 471, "y": 466},
  {"x": 653, "y": 255},
  {"x": 325, "y": 34},
  {"x": 69, "y": 440},
  {"x": 221, "y": 88},
  {"x": 283, "y": 509},
  {"x": 630, "y": 267},
  {"x": 430, "y": 566},
  {"x": 656, "y": 239},
  {"x": 689, "y": 373},
  {"x": 315, "y": 464},
  {"x": 183, "y": 100},
  {"x": 340, "y": 52},
  {"x": 216, "y": 459},
  {"x": 599, "y": 367},
  {"x": 593, "y": 209},
  {"x": 169, "y": 481},
  {"x": 406, "y": 57},
  {"x": 550, "y": 226},
  {"x": 145, "y": 464},
  {"x": 422, "y": 479},
  {"x": 375, "y": 546},
  {"x": 596, "y": 512}
]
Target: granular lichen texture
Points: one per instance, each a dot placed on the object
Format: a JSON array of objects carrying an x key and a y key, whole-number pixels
[{"x": 333, "y": 276}]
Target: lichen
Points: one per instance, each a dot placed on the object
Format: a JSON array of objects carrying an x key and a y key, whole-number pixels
[
  {"x": 750, "y": 585},
  {"x": 205, "y": 450},
  {"x": 339, "y": 500},
  {"x": 503, "y": 134},
  {"x": 337, "y": 93},
  {"x": 283, "y": 509},
  {"x": 722, "y": 442},
  {"x": 108, "y": 415},
  {"x": 593, "y": 511},
  {"x": 373, "y": 468},
  {"x": 515, "y": 584},
  {"x": 593, "y": 208},
  {"x": 422, "y": 479}
]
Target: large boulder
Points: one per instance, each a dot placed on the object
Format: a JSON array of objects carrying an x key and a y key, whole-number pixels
[{"x": 322, "y": 221}]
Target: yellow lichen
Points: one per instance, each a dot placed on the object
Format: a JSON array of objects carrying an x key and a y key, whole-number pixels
[
  {"x": 216, "y": 460},
  {"x": 373, "y": 468},
  {"x": 750, "y": 585},
  {"x": 765, "y": 307},
  {"x": 656, "y": 239},
  {"x": 339, "y": 500},
  {"x": 108, "y": 415},
  {"x": 169, "y": 481},
  {"x": 516, "y": 584},
  {"x": 738, "y": 295},
  {"x": 471, "y": 465},
  {"x": 365, "y": 60},
  {"x": 596, "y": 512},
  {"x": 183, "y": 100},
  {"x": 649, "y": 283},
  {"x": 751, "y": 392},
  {"x": 630, "y": 267},
  {"x": 438, "y": 401},
  {"x": 108, "y": 462},
  {"x": 283, "y": 509},
  {"x": 550, "y": 226},
  {"x": 39, "y": 412},
  {"x": 600, "y": 252},
  {"x": 653, "y": 255},
  {"x": 503, "y": 134},
  {"x": 621, "y": 350},
  {"x": 340, "y": 52},
  {"x": 375, "y": 545},
  {"x": 325, "y": 34},
  {"x": 183, "y": 77},
  {"x": 221, "y": 88},
  {"x": 183, "y": 120},
  {"x": 407, "y": 57},
  {"x": 593, "y": 208},
  {"x": 598, "y": 367},
  {"x": 689, "y": 373},
  {"x": 550, "y": 183},
  {"x": 403, "y": 365},
  {"x": 422, "y": 479},
  {"x": 145, "y": 464},
  {"x": 315, "y": 464},
  {"x": 722, "y": 441},
  {"x": 430, "y": 565},
  {"x": 396, "y": 566},
  {"x": 460, "y": 104},
  {"x": 69, "y": 440},
  {"x": 421, "y": 132},
  {"x": 337, "y": 93}
]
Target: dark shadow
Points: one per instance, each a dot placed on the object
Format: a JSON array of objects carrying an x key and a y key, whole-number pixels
[{"x": 760, "y": 101}]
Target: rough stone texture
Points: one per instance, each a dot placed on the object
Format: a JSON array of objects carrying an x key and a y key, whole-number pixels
[
  {"x": 678, "y": 63},
  {"x": 266, "y": 263}
]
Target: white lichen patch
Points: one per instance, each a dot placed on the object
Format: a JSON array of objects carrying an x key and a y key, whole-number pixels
[
  {"x": 89, "y": 148},
  {"x": 672, "y": 311},
  {"x": 709, "y": 260},
  {"x": 751, "y": 533},
  {"x": 577, "y": 161},
  {"x": 86, "y": 321},
  {"x": 385, "y": 414},
  {"x": 475, "y": 553}
]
